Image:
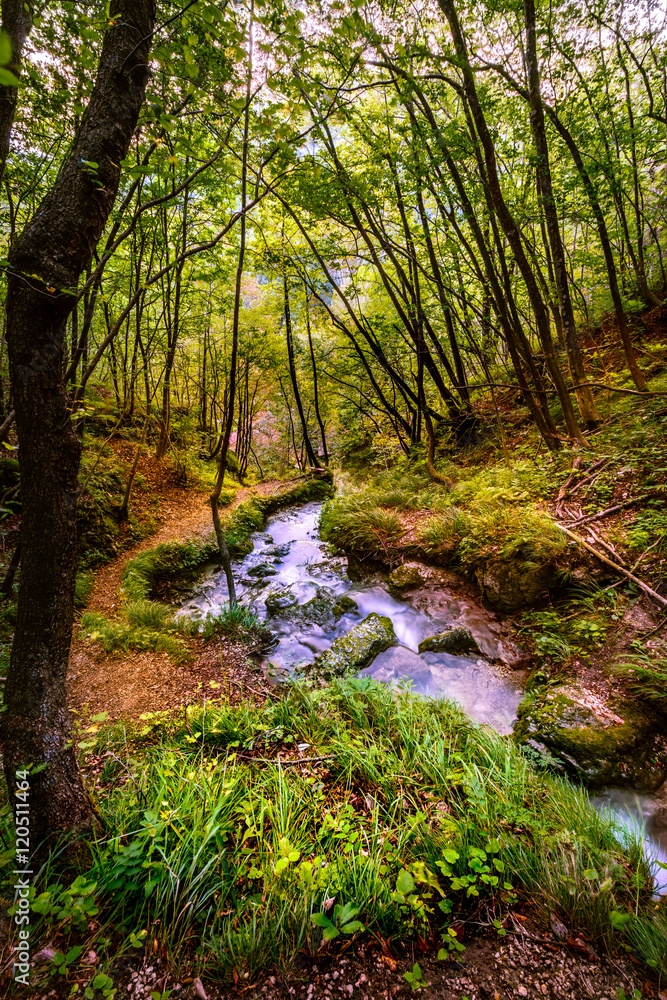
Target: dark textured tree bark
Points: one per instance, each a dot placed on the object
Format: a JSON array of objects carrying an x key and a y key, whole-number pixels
[
  {"x": 310, "y": 454},
  {"x": 46, "y": 263},
  {"x": 17, "y": 18},
  {"x": 225, "y": 557},
  {"x": 316, "y": 393}
]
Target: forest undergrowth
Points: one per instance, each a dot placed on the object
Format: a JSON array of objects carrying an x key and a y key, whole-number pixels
[
  {"x": 499, "y": 510},
  {"x": 235, "y": 838}
]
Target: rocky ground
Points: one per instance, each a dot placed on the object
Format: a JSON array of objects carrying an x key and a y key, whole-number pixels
[{"x": 529, "y": 961}]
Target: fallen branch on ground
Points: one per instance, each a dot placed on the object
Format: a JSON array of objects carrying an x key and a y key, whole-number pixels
[
  {"x": 613, "y": 388},
  {"x": 619, "y": 569},
  {"x": 610, "y": 510}
]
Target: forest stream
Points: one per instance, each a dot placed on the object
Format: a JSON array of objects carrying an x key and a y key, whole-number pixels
[{"x": 290, "y": 566}]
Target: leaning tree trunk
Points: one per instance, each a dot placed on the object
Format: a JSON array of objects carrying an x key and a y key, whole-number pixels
[
  {"x": 46, "y": 263},
  {"x": 225, "y": 557}
]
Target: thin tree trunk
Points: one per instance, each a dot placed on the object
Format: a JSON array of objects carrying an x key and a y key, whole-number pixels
[
  {"x": 508, "y": 223},
  {"x": 310, "y": 454},
  {"x": 124, "y": 511},
  {"x": 225, "y": 557},
  {"x": 316, "y": 393},
  {"x": 17, "y": 18}
]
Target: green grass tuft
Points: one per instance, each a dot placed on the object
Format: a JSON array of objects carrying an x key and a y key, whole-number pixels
[
  {"x": 645, "y": 675},
  {"x": 83, "y": 589},
  {"x": 122, "y": 636}
]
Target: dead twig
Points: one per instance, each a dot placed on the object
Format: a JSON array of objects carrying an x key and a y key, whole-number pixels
[{"x": 610, "y": 548}]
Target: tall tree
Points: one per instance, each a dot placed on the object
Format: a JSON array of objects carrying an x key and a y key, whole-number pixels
[{"x": 46, "y": 262}]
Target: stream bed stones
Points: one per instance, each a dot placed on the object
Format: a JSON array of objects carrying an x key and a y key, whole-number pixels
[{"x": 453, "y": 639}]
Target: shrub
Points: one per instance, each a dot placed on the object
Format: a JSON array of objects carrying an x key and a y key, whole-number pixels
[{"x": 123, "y": 636}]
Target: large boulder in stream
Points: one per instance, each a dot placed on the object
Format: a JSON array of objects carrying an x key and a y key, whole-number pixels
[
  {"x": 453, "y": 639},
  {"x": 358, "y": 647},
  {"x": 597, "y": 743},
  {"x": 262, "y": 570}
]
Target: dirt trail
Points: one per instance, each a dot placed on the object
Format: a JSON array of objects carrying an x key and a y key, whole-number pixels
[{"x": 128, "y": 684}]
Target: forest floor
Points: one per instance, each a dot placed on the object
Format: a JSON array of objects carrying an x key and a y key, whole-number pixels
[
  {"x": 528, "y": 962},
  {"x": 127, "y": 685}
]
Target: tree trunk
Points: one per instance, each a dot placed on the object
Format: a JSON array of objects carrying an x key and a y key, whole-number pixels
[
  {"x": 225, "y": 557},
  {"x": 310, "y": 454},
  {"x": 17, "y": 18},
  {"x": 507, "y": 221},
  {"x": 54, "y": 249},
  {"x": 316, "y": 393}
]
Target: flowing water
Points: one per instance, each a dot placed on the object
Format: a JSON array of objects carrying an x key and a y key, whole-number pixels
[
  {"x": 644, "y": 815},
  {"x": 290, "y": 565},
  {"x": 290, "y": 559}
]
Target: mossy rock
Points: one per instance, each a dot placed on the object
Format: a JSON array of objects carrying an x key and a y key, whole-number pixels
[
  {"x": 406, "y": 575},
  {"x": 344, "y": 605},
  {"x": 277, "y": 552},
  {"x": 598, "y": 744},
  {"x": 262, "y": 570},
  {"x": 319, "y": 610},
  {"x": 454, "y": 639},
  {"x": 508, "y": 584},
  {"x": 280, "y": 600},
  {"x": 358, "y": 648}
]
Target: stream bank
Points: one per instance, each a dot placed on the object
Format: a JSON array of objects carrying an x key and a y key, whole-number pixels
[{"x": 333, "y": 615}]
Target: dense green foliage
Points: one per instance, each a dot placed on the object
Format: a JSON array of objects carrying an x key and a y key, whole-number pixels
[{"x": 409, "y": 815}]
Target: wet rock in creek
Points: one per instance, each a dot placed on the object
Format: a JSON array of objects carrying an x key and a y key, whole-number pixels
[
  {"x": 278, "y": 600},
  {"x": 409, "y": 574},
  {"x": 454, "y": 639},
  {"x": 596, "y": 742},
  {"x": 277, "y": 552},
  {"x": 262, "y": 570},
  {"x": 358, "y": 648},
  {"x": 343, "y": 605}
]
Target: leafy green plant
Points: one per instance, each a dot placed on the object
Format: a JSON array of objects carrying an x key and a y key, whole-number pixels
[
  {"x": 342, "y": 921},
  {"x": 414, "y": 978}
]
